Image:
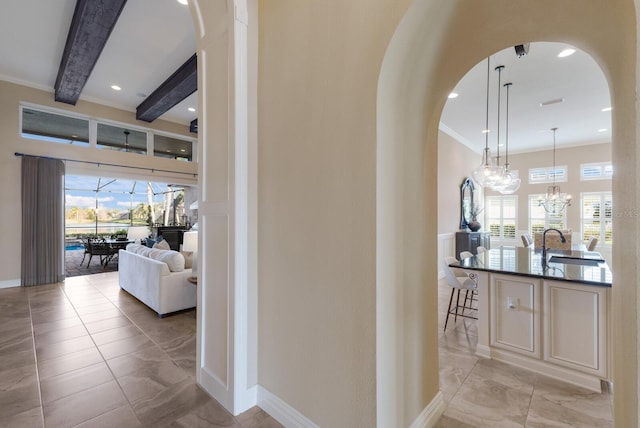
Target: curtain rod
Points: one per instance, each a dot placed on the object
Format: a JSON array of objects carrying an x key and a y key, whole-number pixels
[{"x": 106, "y": 164}]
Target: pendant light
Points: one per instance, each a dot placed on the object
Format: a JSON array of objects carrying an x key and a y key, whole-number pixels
[
  {"x": 511, "y": 182},
  {"x": 555, "y": 201},
  {"x": 487, "y": 173}
]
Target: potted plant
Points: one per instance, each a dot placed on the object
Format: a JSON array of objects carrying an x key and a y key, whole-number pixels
[{"x": 474, "y": 225}]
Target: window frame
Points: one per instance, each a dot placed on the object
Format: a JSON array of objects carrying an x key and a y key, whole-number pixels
[
  {"x": 547, "y": 174},
  {"x": 489, "y": 220},
  {"x": 605, "y": 196},
  {"x": 93, "y": 125}
]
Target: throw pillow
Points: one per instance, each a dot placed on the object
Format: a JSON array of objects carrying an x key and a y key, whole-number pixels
[
  {"x": 173, "y": 259},
  {"x": 162, "y": 245},
  {"x": 188, "y": 259}
]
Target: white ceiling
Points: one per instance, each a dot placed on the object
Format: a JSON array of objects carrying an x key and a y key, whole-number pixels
[
  {"x": 153, "y": 38},
  {"x": 150, "y": 41},
  {"x": 537, "y": 77}
]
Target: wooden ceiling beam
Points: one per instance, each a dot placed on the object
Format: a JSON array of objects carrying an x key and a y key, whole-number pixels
[
  {"x": 182, "y": 83},
  {"x": 92, "y": 23}
]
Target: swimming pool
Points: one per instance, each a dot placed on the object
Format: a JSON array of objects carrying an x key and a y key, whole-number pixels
[{"x": 74, "y": 247}]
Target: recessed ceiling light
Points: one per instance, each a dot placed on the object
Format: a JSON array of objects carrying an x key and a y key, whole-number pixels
[
  {"x": 452, "y": 95},
  {"x": 116, "y": 87},
  {"x": 566, "y": 53},
  {"x": 183, "y": 1},
  {"x": 191, "y": 109},
  {"x": 602, "y": 130},
  {"x": 607, "y": 109},
  {"x": 182, "y": 150},
  {"x": 486, "y": 131},
  {"x": 501, "y": 145}
]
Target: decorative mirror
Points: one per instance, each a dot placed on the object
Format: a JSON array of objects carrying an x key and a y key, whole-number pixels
[{"x": 466, "y": 202}]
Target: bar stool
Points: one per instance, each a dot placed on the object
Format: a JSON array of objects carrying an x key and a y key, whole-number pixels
[{"x": 466, "y": 282}]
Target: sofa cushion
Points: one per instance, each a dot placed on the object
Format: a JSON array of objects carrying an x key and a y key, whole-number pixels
[
  {"x": 172, "y": 258},
  {"x": 162, "y": 245},
  {"x": 188, "y": 259}
]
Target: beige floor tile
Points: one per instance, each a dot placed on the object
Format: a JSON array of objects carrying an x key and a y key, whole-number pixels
[
  {"x": 17, "y": 359},
  {"x": 124, "y": 346},
  {"x": 102, "y": 325},
  {"x": 55, "y": 350},
  {"x": 171, "y": 404},
  {"x": 31, "y": 418},
  {"x": 56, "y": 325},
  {"x": 68, "y": 363},
  {"x": 69, "y": 383},
  {"x": 60, "y": 335},
  {"x": 120, "y": 417},
  {"x": 257, "y": 418},
  {"x": 99, "y": 316},
  {"x": 558, "y": 404},
  {"x": 210, "y": 414},
  {"x": 83, "y": 406},
  {"x": 18, "y": 391},
  {"x": 115, "y": 334}
]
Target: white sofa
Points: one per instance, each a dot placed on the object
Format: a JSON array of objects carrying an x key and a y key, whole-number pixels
[{"x": 145, "y": 274}]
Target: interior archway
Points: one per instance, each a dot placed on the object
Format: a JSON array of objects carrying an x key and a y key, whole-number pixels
[{"x": 427, "y": 56}]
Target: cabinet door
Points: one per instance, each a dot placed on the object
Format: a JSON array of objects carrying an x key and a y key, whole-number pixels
[
  {"x": 515, "y": 314},
  {"x": 575, "y": 326}
]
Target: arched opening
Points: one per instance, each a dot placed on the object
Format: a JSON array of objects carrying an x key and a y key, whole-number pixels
[{"x": 427, "y": 56}]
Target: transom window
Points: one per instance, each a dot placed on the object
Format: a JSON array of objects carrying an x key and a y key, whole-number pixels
[
  {"x": 63, "y": 127},
  {"x": 596, "y": 171},
  {"x": 547, "y": 174}
]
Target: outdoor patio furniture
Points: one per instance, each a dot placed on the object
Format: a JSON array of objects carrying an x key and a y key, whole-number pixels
[{"x": 99, "y": 247}]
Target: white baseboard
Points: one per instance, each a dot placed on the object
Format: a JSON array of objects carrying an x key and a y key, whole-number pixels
[
  {"x": 282, "y": 411},
  {"x": 431, "y": 414},
  {"x": 10, "y": 284}
]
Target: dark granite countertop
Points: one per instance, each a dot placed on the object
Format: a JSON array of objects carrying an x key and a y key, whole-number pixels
[{"x": 528, "y": 262}]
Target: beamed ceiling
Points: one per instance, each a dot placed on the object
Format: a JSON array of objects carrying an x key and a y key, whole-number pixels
[{"x": 79, "y": 49}]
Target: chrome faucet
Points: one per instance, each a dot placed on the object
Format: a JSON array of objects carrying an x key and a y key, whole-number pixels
[{"x": 544, "y": 242}]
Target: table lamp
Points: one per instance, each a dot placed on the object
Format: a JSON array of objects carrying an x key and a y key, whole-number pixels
[
  {"x": 137, "y": 233},
  {"x": 190, "y": 243}
]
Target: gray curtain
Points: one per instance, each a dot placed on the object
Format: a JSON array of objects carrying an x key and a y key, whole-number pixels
[{"x": 42, "y": 221}]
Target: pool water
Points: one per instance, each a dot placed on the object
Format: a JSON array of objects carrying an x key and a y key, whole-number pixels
[{"x": 74, "y": 247}]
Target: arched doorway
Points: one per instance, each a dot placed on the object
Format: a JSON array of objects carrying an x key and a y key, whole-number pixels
[{"x": 429, "y": 53}]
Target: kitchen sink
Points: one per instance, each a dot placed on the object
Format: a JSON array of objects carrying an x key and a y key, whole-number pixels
[{"x": 575, "y": 261}]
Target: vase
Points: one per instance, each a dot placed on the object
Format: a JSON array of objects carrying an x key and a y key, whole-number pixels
[{"x": 474, "y": 225}]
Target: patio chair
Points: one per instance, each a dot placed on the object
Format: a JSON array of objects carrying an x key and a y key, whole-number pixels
[
  {"x": 98, "y": 247},
  {"x": 85, "y": 243}
]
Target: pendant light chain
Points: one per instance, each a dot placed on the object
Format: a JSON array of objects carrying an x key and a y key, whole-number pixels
[{"x": 499, "y": 70}]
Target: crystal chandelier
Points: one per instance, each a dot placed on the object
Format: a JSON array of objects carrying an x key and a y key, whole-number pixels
[
  {"x": 555, "y": 201},
  {"x": 487, "y": 173}
]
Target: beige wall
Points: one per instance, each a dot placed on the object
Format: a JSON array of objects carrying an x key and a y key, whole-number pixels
[
  {"x": 455, "y": 163},
  {"x": 318, "y": 76},
  {"x": 11, "y": 142},
  {"x": 572, "y": 158}
]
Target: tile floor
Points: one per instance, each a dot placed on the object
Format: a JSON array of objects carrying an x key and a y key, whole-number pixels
[
  {"x": 488, "y": 393},
  {"x": 83, "y": 353}
]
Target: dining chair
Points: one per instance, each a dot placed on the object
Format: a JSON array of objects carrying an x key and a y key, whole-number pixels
[
  {"x": 480, "y": 249},
  {"x": 527, "y": 241},
  {"x": 591, "y": 246},
  {"x": 465, "y": 255},
  {"x": 467, "y": 282}
]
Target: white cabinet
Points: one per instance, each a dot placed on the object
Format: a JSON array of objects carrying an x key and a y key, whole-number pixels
[
  {"x": 558, "y": 328},
  {"x": 515, "y": 314},
  {"x": 575, "y": 326}
]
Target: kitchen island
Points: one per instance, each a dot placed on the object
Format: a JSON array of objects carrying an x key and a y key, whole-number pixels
[{"x": 551, "y": 316}]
